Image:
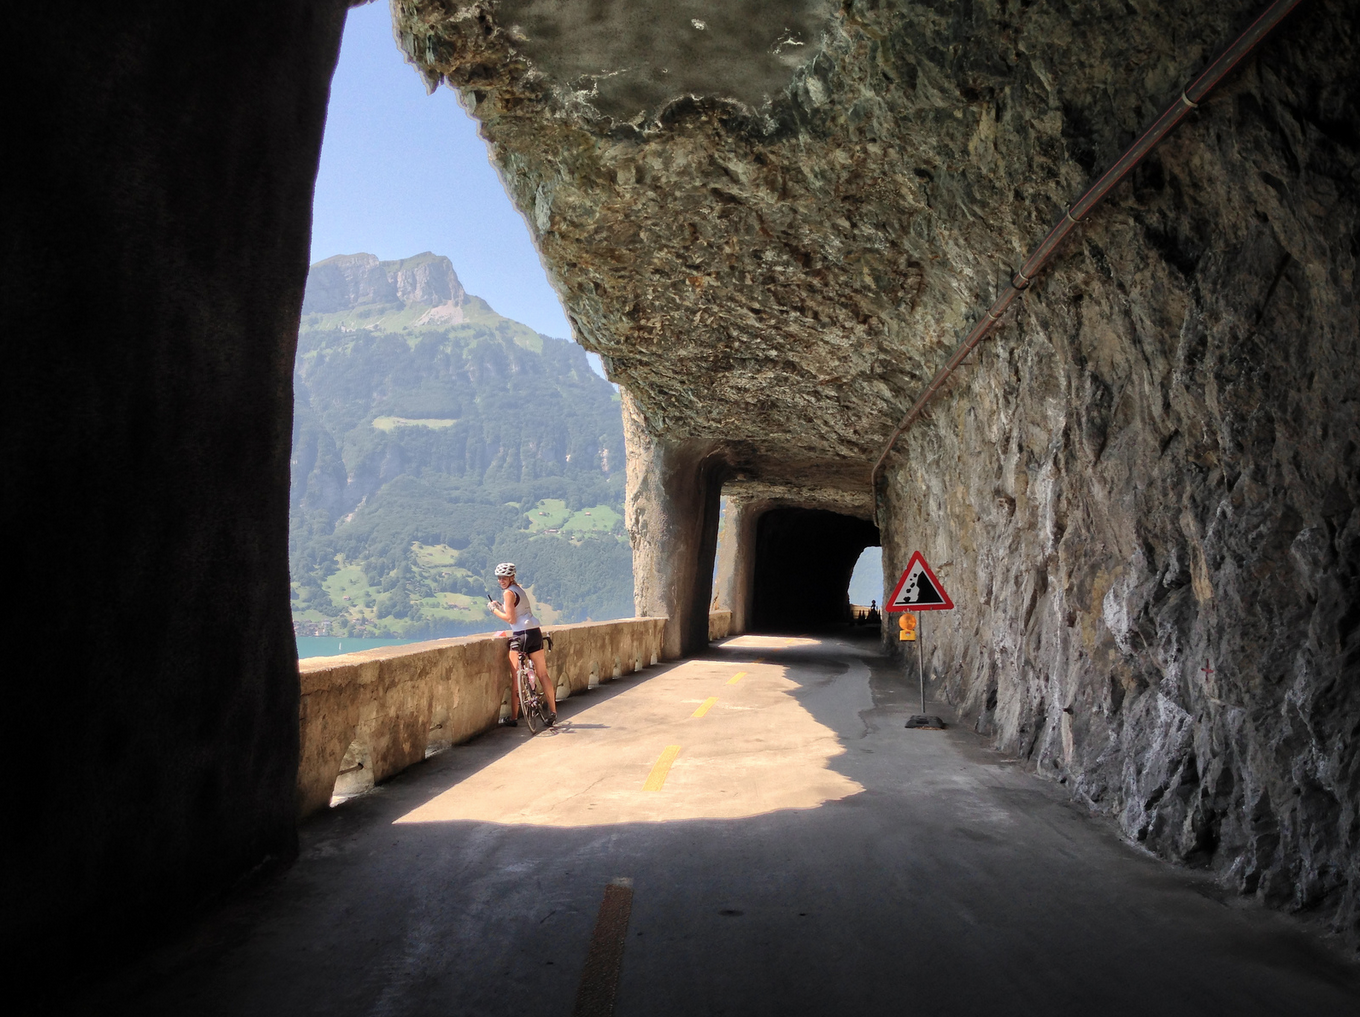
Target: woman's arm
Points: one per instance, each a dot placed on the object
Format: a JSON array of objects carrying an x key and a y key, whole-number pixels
[{"x": 507, "y": 611}]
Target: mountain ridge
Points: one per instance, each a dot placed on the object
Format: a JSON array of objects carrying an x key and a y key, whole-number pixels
[{"x": 427, "y": 447}]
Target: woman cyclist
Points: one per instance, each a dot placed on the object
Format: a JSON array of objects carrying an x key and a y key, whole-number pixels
[{"x": 525, "y": 635}]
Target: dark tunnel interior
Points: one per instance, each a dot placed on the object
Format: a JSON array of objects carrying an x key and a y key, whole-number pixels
[{"x": 804, "y": 559}]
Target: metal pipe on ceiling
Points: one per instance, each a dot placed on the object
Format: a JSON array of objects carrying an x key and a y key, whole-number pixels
[{"x": 1189, "y": 98}]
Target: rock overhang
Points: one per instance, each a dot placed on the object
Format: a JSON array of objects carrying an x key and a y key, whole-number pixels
[{"x": 781, "y": 279}]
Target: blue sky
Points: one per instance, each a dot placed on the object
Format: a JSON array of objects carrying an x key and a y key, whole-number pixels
[
  {"x": 404, "y": 172},
  {"x": 867, "y": 582}
]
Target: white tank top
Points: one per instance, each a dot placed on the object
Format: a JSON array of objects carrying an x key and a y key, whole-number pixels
[{"x": 524, "y": 615}]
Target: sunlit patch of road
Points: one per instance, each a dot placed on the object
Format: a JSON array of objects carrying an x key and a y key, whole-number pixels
[{"x": 755, "y": 749}]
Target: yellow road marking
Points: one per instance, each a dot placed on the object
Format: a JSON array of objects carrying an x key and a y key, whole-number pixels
[
  {"x": 707, "y": 705},
  {"x": 736, "y": 678},
  {"x": 600, "y": 979},
  {"x": 657, "y": 778}
]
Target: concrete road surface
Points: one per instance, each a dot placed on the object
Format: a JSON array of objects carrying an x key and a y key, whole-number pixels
[{"x": 750, "y": 833}]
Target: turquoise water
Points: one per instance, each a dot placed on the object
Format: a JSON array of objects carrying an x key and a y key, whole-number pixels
[{"x": 330, "y": 646}]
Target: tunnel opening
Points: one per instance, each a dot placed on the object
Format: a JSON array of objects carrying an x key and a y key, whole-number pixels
[
  {"x": 803, "y": 563},
  {"x": 866, "y": 581}
]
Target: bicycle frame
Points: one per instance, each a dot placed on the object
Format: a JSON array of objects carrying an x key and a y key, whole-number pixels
[{"x": 532, "y": 701}]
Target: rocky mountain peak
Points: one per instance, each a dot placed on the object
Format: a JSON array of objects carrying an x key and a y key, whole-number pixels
[
  {"x": 425, "y": 279},
  {"x": 349, "y": 281}
]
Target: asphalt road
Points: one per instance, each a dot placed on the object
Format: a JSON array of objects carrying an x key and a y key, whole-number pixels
[{"x": 749, "y": 833}]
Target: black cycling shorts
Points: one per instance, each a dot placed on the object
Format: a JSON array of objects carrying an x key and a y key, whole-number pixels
[{"x": 530, "y": 640}]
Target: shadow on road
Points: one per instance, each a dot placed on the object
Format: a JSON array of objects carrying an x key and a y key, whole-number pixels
[{"x": 950, "y": 868}]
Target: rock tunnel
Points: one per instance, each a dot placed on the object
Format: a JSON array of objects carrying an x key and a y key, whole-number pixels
[
  {"x": 774, "y": 222},
  {"x": 803, "y": 561}
]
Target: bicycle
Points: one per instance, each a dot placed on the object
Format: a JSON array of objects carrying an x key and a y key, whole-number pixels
[{"x": 533, "y": 701}]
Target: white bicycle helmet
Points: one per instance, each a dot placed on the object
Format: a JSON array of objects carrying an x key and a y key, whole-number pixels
[{"x": 505, "y": 568}]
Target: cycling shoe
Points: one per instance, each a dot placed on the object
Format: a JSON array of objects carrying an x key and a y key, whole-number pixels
[
  {"x": 510, "y": 722},
  {"x": 552, "y": 719}
]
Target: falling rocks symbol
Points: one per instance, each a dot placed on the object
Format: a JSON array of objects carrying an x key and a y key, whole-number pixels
[{"x": 923, "y": 591}]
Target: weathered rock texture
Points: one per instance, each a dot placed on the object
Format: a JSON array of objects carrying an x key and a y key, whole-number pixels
[
  {"x": 1147, "y": 489},
  {"x": 672, "y": 511},
  {"x": 1153, "y": 465},
  {"x": 786, "y": 273},
  {"x": 159, "y": 163}
]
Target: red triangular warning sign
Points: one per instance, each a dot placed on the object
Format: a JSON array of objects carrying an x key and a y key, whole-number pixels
[{"x": 918, "y": 589}]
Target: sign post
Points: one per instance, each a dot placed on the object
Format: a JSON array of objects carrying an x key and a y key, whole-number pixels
[
  {"x": 919, "y": 590},
  {"x": 921, "y": 662}
]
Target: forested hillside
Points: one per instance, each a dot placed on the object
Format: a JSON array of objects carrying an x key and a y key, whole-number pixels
[{"x": 433, "y": 438}]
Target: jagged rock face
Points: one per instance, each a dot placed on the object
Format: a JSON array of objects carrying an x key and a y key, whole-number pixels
[
  {"x": 1146, "y": 492},
  {"x": 1152, "y": 466},
  {"x": 1144, "y": 481}
]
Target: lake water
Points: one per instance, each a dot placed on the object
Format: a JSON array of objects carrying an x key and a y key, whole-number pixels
[{"x": 330, "y": 646}]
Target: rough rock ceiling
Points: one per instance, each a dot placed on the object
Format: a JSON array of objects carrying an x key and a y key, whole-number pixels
[{"x": 774, "y": 245}]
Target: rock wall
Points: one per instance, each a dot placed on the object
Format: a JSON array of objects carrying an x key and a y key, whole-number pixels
[
  {"x": 160, "y": 160},
  {"x": 1143, "y": 495},
  {"x": 672, "y": 512}
]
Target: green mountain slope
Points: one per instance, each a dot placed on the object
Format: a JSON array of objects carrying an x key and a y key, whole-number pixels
[{"x": 433, "y": 438}]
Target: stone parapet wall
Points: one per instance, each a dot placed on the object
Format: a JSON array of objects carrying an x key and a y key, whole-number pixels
[
  {"x": 384, "y": 709},
  {"x": 719, "y": 625}
]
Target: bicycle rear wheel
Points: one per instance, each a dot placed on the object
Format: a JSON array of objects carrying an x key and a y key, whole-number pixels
[
  {"x": 534, "y": 718},
  {"x": 543, "y": 712},
  {"x": 531, "y": 702}
]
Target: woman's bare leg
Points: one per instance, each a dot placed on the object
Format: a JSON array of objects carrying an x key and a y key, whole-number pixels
[
  {"x": 514, "y": 684},
  {"x": 540, "y": 660}
]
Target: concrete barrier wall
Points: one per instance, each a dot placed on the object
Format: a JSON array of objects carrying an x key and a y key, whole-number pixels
[
  {"x": 377, "y": 712},
  {"x": 719, "y": 625}
]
